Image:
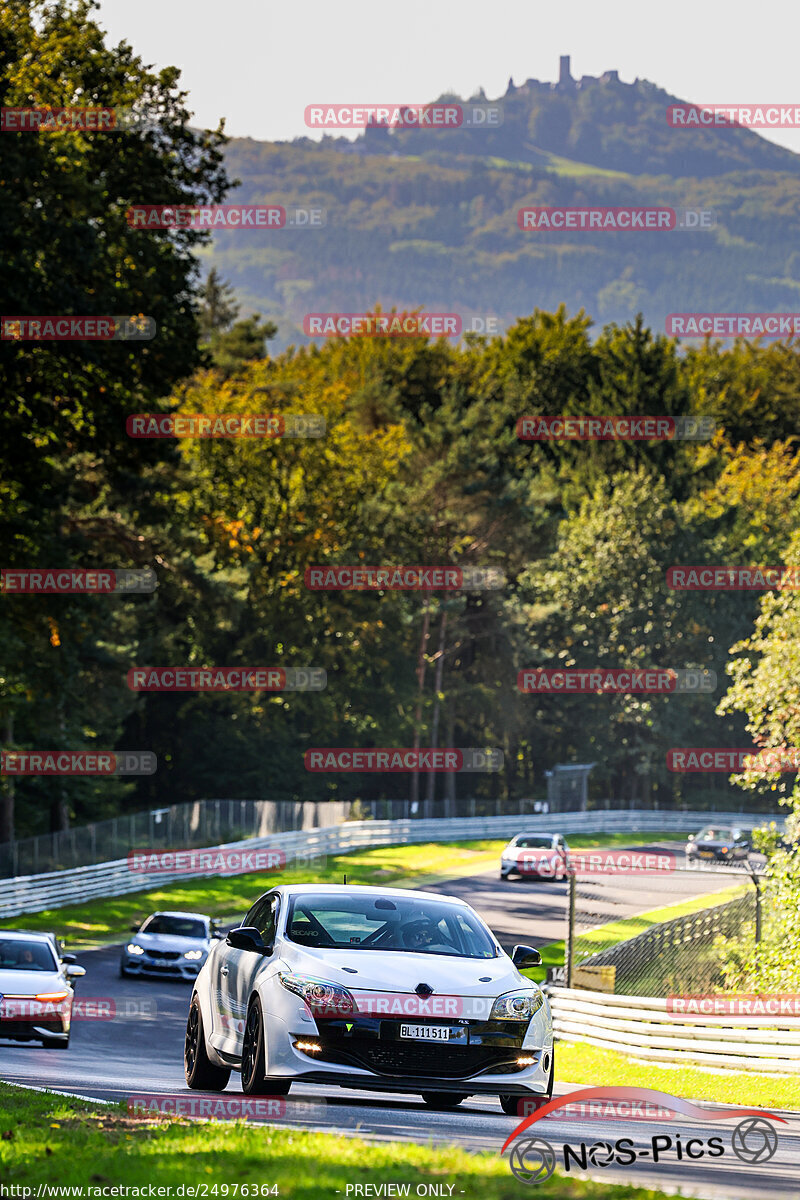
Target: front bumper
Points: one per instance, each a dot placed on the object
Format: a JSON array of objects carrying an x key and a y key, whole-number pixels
[
  {"x": 174, "y": 968},
  {"x": 34, "y": 1031},
  {"x": 367, "y": 1052}
]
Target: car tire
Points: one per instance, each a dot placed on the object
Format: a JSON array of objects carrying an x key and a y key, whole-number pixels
[
  {"x": 49, "y": 1044},
  {"x": 123, "y": 974},
  {"x": 200, "y": 1072},
  {"x": 255, "y": 1081},
  {"x": 442, "y": 1100}
]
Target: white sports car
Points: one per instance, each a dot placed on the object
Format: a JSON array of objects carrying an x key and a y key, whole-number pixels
[
  {"x": 369, "y": 987},
  {"x": 169, "y": 943}
]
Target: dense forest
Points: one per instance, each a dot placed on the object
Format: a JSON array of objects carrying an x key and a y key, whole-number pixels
[{"x": 420, "y": 464}]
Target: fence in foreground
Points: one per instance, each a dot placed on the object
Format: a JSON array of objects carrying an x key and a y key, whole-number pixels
[
  {"x": 37, "y": 893},
  {"x": 641, "y": 1027}
]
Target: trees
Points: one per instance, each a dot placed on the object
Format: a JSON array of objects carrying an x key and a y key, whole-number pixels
[{"x": 74, "y": 489}]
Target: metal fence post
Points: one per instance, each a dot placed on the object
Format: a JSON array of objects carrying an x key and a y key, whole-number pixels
[
  {"x": 569, "y": 944},
  {"x": 757, "y": 886}
]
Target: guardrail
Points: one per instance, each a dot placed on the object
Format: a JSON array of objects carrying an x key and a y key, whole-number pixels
[
  {"x": 641, "y": 1027},
  {"x": 37, "y": 893}
]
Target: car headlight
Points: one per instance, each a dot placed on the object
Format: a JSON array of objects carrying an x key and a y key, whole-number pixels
[
  {"x": 322, "y": 997},
  {"x": 193, "y": 954},
  {"x": 516, "y": 1006},
  {"x": 132, "y": 948},
  {"x": 508, "y": 856}
]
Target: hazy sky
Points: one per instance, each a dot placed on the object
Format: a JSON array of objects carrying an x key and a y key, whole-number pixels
[{"x": 259, "y": 63}]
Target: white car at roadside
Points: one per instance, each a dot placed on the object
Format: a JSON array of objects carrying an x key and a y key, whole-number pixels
[
  {"x": 369, "y": 987},
  {"x": 36, "y": 988}
]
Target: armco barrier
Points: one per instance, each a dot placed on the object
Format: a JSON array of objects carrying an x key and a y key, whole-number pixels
[
  {"x": 641, "y": 1027},
  {"x": 36, "y": 893}
]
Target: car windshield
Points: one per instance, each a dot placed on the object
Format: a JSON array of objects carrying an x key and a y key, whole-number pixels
[
  {"x": 535, "y": 843},
  {"x": 186, "y": 927},
  {"x": 381, "y": 923},
  {"x": 715, "y": 834},
  {"x": 18, "y": 955}
]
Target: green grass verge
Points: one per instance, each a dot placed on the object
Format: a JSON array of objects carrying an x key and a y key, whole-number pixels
[
  {"x": 55, "y": 1140},
  {"x": 578, "y": 1062},
  {"x": 109, "y": 919}
]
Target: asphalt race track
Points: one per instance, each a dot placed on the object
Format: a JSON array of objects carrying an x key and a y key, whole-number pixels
[{"x": 142, "y": 1053}]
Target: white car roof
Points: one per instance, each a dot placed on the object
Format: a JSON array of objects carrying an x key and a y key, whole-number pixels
[
  {"x": 540, "y": 833},
  {"x": 165, "y": 913},
  {"x": 332, "y": 889},
  {"x": 27, "y": 937}
]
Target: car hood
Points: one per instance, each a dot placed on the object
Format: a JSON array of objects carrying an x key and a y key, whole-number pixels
[
  {"x": 30, "y": 983},
  {"x": 400, "y": 972},
  {"x": 716, "y": 844},
  {"x": 165, "y": 941}
]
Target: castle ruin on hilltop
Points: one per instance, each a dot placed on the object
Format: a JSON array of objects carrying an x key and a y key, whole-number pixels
[{"x": 565, "y": 81}]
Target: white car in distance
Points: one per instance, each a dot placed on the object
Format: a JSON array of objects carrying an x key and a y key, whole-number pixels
[{"x": 535, "y": 856}]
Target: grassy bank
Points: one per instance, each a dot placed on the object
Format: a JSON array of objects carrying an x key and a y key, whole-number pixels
[
  {"x": 577, "y": 1062},
  {"x": 46, "y": 1139}
]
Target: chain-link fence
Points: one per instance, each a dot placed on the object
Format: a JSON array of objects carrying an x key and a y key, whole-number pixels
[{"x": 622, "y": 938}]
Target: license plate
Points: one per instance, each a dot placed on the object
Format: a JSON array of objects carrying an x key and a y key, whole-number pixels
[
  {"x": 706, "y": 853},
  {"x": 425, "y": 1033}
]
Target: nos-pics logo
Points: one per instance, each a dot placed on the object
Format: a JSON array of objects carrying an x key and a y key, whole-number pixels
[{"x": 533, "y": 1159}]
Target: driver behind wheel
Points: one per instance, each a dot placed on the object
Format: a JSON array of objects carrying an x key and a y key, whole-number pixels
[{"x": 420, "y": 933}]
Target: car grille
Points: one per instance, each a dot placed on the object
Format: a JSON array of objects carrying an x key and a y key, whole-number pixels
[
  {"x": 387, "y": 1056},
  {"x": 170, "y": 955}
]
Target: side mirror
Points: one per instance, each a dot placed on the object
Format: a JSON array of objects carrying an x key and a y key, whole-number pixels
[
  {"x": 690, "y": 837},
  {"x": 75, "y": 972},
  {"x": 247, "y": 937},
  {"x": 526, "y": 956},
  {"x": 68, "y": 958},
  {"x": 135, "y": 928},
  {"x": 218, "y": 934}
]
